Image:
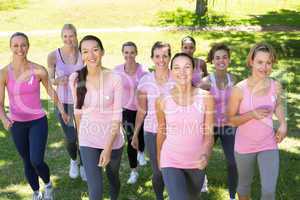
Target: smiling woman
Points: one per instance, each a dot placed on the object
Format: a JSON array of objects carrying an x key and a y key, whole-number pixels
[
  {"x": 27, "y": 121},
  {"x": 97, "y": 94}
]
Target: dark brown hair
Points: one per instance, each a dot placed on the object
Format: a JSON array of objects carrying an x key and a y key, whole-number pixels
[
  {"x": 158, "y": 45},
  {"x": 183, "y": 55},
  {"x": 215, "y": 48},
  {"x": 82, "y": 74},
  {"x": 19, "y": 34},
  {"x": 129, "y": 44}
]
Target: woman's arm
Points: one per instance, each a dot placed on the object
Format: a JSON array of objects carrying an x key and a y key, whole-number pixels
[
  {"x": 279, "y": 112},
  {"x": 77, "y": 112},
  {"x": 51, "y": 60},
  {"x": 161, "y": 128},
  {"x": 7, "y": 123},
  {"x": 236, "y": 119},
  {"x": 44, "y": 77},
  {"x": 116, "y": 121},
  {"x": 205, "y": 83},
  {"x": 208, "y": 140},
  {"x": 140, "y": 116},
  {"x": 203, "y": 67}
]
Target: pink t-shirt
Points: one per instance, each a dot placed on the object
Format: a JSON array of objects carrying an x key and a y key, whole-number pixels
[
  {"x": 182, "y": 147},
  {"x": 100, "y": 108},
  {"x": 149, "y": 85},
  {"x": 256, "y": 135},
  {"x": 129, "y": 99},
  {"x": 221, "y": 99},
  {"x": 63, "y": 69},
  {"x": 24, "y": 97}
]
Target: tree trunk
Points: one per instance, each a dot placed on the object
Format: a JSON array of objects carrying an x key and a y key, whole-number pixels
[{"x": 201, "y": 7}]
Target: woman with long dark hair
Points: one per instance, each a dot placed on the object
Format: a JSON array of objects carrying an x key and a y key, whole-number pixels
[{"x": 97, "y": 96}]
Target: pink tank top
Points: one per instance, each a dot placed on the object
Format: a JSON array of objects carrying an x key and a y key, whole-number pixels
[
  {"x": 129, "y": 99},
  {"x": 221, "y": 99},
  {"x": 184, "y": 133},
  {"x": 63, "y": 69},
  {"x": 24, "y": 98},
  {"x": 256, "y": 135},
  {"x": 197, "y": 73}
]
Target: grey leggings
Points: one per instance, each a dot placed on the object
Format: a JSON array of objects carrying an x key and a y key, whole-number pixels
[
  {"x": 157, "y": 179},
  {"x": 183, "y": 183},
  {"x": 268, "y": 164},
  {"x": 90, "y": 157}
]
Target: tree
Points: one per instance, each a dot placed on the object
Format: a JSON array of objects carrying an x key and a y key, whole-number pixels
[{"x": 201, "y": 7}]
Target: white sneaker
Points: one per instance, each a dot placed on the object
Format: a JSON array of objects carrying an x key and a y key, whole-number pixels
[
  {"x": 73, "y": 172},
  {"x": 205, "y": 185},
  {"x": 82, "y": 174},
  {"x": 37, "y": 195},
  {"x": 133, "y": 177},
  {"x": 141, "y": 159},
  {"x": 48, "y": 195}
]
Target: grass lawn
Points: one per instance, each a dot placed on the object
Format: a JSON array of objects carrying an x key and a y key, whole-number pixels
[
  {"x": 12, "y": 182},
  {"x": 49, "y": 14}
]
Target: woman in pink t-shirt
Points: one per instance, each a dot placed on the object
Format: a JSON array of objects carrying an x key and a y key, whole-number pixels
[
  {"x": 27, "y": 120},
  {"x": 62, "y": 62},
  {"x": 188, "y": 46},
  {"x": 185, "y": 132},
  {"x": 97, "y": 96},
  {"x": 251, "y": 106},
  {"x": 151, "y": 86},
  {"x": 131, "y": 73},
  {"x": 220, "y": 83}
]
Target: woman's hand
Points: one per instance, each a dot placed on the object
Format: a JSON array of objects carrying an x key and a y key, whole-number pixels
[
  {"x": 65, "y": 117},
  {"x": 203, "y": 161},
  {"x": 7, "y": 123},
  {"x": 135, "y": 142},
  {"x": 104, "y": 158},
  {"x": 281, "y": 133},
  {"x": 261, "y": 113},
  {"x": 63, "y": 80}
]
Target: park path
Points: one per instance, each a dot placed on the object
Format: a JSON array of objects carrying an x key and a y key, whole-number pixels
[{"x": 142, "y": 29}]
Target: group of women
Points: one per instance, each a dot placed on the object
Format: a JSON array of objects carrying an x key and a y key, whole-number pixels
[{"x": 176, "y": 113}]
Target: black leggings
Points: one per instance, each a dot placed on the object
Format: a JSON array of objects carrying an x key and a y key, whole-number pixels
[
  {"x": 30, "y": 139},
  {"x": 69, "y": 130},
  {"x": 227, "y": 136},
  {"x": 128, "y": 122}
]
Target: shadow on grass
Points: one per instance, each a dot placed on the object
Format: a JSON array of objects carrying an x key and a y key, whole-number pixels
[
  {"x": 271, "y": 21},
  {"x": 67, "y": 189}
]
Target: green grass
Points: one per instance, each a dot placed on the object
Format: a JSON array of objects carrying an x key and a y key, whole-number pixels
[
  {"x": 49, "y": 14},
  {"x": 13, "y": 185},
  {"x": 235, "y": 12},
  {"x": 12, "y": 4}
]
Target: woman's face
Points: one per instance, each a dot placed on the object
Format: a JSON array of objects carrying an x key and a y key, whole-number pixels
[
  {"x": 161, "y": 58},
  {"x": 261, "y": 64},
  {"x": 19, "y": 46},
  {"x": 129, "y": 54},
  {"x": 188, "y": 48},
  {"x": 182, "y": 70},
  {"x": 91, "y": 53},
  {"x": 221, "y": 60},
  {"x": 69, "y": 38}
]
